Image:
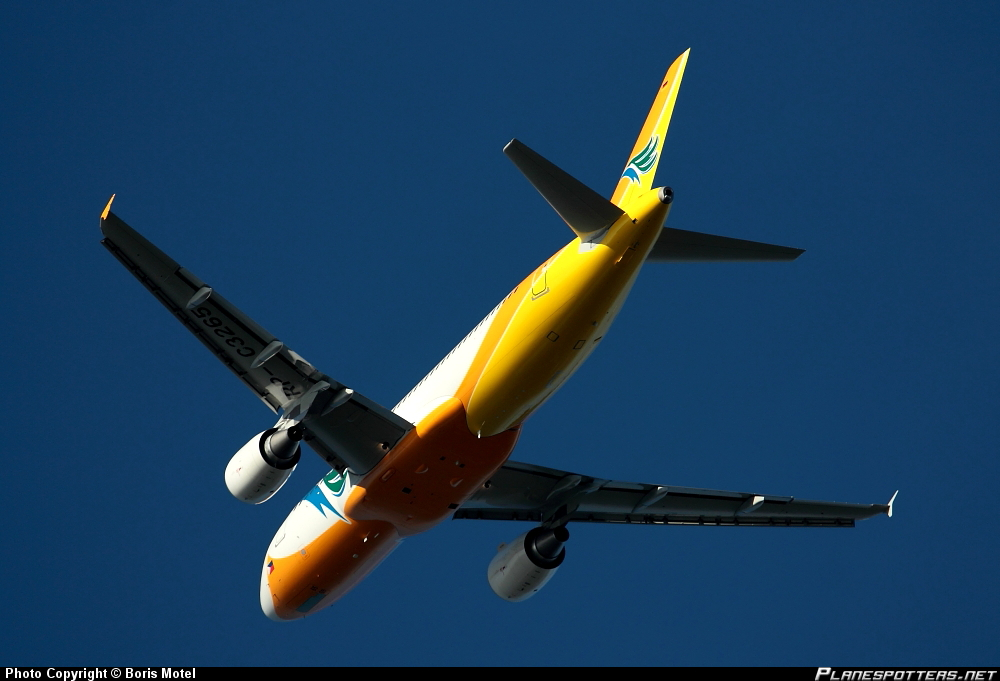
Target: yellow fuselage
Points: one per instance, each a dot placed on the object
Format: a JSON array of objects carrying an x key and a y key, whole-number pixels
[{"x": 560, "y": 314}]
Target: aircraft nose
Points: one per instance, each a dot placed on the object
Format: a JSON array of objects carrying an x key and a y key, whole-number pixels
[
  {"x": 267, "y": 605},
  {"x": 267, "y": 600}
]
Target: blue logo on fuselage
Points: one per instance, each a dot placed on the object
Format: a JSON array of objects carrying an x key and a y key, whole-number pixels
[{"x": 333, "y": 481}]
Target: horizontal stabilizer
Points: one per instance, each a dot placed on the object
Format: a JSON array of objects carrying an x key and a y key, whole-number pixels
[
  {"x": 678, "y": 245},
  {"x": 585, "y": 211}
]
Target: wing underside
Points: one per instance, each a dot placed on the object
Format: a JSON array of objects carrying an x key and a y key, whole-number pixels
[
  {"x": 522, "y": 491},
  {"x": 345, "y": 428}
]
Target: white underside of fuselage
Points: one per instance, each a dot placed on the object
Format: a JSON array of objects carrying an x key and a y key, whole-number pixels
[{"x": 443, "y": 381}]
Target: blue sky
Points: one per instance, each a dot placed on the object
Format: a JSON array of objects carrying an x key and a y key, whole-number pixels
[{"x": 337, "y": 173}]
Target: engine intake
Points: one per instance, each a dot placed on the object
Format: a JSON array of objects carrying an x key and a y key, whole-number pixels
[
  {"x": 263, "y": 464},
  {"x": 520, "y": 569}
]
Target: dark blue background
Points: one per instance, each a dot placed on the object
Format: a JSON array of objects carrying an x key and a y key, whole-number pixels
[{"x": 335, "y": 170}]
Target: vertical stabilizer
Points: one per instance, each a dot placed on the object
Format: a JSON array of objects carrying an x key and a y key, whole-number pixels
[{"x": 637, "y": 178}]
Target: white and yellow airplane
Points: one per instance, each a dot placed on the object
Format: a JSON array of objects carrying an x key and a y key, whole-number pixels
[{"x": 443, "y": 450}]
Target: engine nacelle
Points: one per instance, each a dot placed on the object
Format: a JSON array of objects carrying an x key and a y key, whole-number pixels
[
  {"x": 263, "y": 465},
  {"x": 520, "y": 569}
]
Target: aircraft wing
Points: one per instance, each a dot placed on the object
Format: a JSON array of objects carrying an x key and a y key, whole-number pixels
[
  {"x": 521, "y": 491},
  {"x": 345, "y": 428}
]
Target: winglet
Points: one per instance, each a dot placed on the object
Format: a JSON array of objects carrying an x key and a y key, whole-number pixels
[
  {"x": 107, "y": 208},
  {"x": 888, "y": 511}
]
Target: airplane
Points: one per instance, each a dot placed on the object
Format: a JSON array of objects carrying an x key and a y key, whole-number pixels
[{"x": 443, "y": 450}]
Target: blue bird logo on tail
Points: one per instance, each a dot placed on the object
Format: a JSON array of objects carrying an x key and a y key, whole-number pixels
[{"x": 641, "y": 163}]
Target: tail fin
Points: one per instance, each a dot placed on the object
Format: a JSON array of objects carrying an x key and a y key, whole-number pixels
[{"x": 637, "y": 177}]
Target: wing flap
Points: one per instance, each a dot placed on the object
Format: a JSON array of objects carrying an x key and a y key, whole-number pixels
[{"x": 360, "y": 427}]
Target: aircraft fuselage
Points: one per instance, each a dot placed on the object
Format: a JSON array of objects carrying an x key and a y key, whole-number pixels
[{"x": 468, "y": 412}]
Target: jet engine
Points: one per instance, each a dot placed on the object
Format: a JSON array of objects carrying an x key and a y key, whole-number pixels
[
  {"x": 520, "y": 569},
  {"x": 263, "y": 465}
]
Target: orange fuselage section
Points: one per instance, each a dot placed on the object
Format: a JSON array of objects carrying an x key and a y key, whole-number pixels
[{"x": 436, "y": 467}]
